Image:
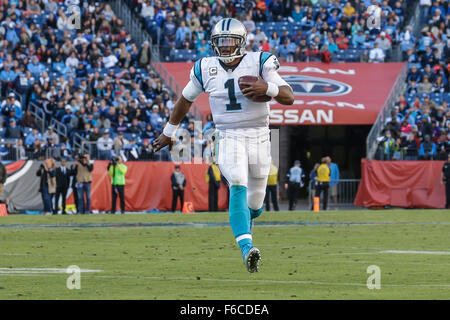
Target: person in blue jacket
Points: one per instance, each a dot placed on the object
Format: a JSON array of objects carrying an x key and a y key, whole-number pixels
[
  {"x": 427, "y": 149},
  {"x": 334, "y": 178}
]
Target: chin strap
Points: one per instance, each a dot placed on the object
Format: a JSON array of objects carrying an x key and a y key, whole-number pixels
[{"x": 230, "y": 59}]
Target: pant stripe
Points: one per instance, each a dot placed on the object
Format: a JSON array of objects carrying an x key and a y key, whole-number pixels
[{"x": 243, "y": 236}]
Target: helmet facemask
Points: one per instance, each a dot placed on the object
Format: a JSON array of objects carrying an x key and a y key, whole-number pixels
[{"x": 229, "y": 41}]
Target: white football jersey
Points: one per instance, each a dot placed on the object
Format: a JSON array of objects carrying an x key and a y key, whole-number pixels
[{"x": 230, "y": 108}]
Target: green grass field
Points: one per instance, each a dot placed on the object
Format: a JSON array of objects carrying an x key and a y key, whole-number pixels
[{"x": 311, "y": 256}]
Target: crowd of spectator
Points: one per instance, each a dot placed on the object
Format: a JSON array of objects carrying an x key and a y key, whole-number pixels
[
  {"x": 419, "y": 125},
  {"x": 95, "y": 80},
  {"x": 417, "y": 131},
  {"x": 296, "y": 30}
]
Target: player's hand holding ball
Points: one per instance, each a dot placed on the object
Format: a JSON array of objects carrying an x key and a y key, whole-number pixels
[
  {"x": 161, "y": 142},
  {"x": 254, "y": 88}
]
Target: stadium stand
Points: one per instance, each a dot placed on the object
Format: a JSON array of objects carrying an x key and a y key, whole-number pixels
[
  {"x": 419, "y": 126},
  {"x": 336, "y": 26},
  {"x": 76, "y": 80}
]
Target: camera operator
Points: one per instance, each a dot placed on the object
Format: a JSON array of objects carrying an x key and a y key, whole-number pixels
[
  {"x": 117, "y": 170},
  {"x": 47, "y": 186},
  {"x": 83, "y": 174}
]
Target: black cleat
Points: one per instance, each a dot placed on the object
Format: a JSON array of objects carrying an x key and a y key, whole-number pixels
[{"x": 252, "y": 260}]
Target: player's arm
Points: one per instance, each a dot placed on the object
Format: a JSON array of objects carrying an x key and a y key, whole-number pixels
[
  {"x": 282, "y": 94},
  {"x": 270, "y": 84},
  {"x": 285, "y": 93},
  {"x": 180, "y": 109}
]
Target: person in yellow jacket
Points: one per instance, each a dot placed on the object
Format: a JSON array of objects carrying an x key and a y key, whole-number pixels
[
  {"x": 117, "y": 170},
  {"x": 272, "y": 188},
  {"x": 213, "y": 178},
  {"x": 323, "y": 180}
]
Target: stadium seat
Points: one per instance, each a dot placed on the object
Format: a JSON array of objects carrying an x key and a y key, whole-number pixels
[
  {"x": 437, "y": 97},
  {"x": 349, "y": 57},
  {"x": 179, "y": 57},
  {"x": 27, "y": 130},
  {"x": 340, "y": 57},
  {"x": 127, "y": 135},
  {"x": 422, "y": 95},
  {"x": 447, "y": 97},
  {"x": 410, "y": 98}
]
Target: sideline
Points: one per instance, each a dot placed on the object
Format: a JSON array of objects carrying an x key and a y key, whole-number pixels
[{"x": 210, "y": 224}]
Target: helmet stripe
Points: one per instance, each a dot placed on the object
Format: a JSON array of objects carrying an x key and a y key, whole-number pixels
[
  {"x": 223, "y": 25},
  {"x": 228, "y": 25}
]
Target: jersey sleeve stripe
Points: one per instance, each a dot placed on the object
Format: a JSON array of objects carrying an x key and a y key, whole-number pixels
[
  {"x": 262, "y": 59},
  {"x": 198, "y": 71}
]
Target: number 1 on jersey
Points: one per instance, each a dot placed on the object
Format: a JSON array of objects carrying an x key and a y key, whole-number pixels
[{"x": 233, "y": 105}]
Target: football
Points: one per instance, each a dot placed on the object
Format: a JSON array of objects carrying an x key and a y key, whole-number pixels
[{"x": 243, "y": 79}]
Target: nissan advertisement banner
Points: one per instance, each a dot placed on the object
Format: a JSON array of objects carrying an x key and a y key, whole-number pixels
[{"x": 325, "y": 94}]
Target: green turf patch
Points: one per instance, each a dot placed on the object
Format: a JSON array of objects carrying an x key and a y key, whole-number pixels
[
  {"x": 316, "y": 261},
  {"x": 401, "y": 215}
]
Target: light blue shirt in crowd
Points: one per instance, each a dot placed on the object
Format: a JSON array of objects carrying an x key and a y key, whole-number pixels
[
  {"x": 295, "y": 174},
  {"x": 334, "y": 174}
]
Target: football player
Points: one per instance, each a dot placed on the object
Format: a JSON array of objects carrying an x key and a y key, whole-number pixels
[{"x": 242, "y": 122}]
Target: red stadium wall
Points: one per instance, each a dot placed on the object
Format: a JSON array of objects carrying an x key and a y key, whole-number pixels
[
  {"x": 325, "y": 94},
  {"x": 407, "y": 184},
  {"x": 148, "y": 186}
]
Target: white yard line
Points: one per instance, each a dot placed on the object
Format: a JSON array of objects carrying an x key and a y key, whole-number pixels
[
  {"x": 262, "y": 281},
  {"x": 87, "y": 255},
  {"x": 40, "y": 270},
  {"x": 416, "y": 252},
  {"x": 312, "y": 258}
]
